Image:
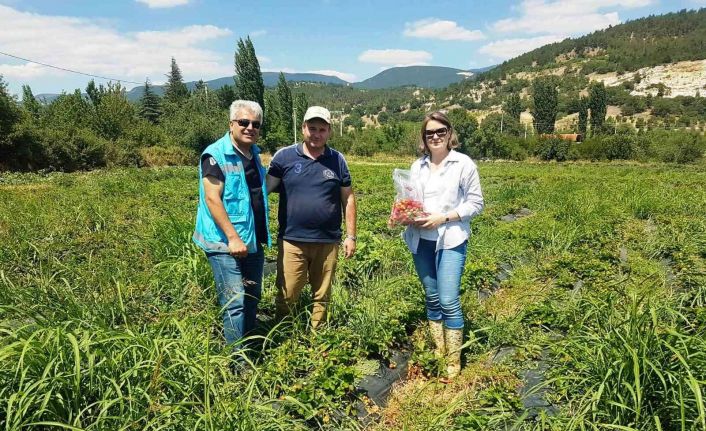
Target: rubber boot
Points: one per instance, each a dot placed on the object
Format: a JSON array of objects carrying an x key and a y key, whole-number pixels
[
  {"x": 454, "y": 341},
  {"x": 436, "y": 328}
]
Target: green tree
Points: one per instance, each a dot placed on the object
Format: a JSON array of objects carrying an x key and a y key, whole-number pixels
[
  {"x": 226, "y": 96},
  {"x": 175, "y": 90},
  {"x": 277, "y": 134},
  {"x": 199, "y": 86},
  {"x": 115, "y": 115},
  {"x": 513, "y": 106},
  {"x": 94, "y": 92},
  {"x": 9, "y": 114},
  {"x": 30, "y": 103},
  {"x": 248, "y": 78},
  {"x": 284, "y": 99},
  {"x": 545, "y": 100},
  {"x": 583, "y": 115},
  {"x": 301, "y": 104},
  {"x": 149, "y": 104},
  {"x": 465, "y": 125},
  {"x": 597, "y": 101}
]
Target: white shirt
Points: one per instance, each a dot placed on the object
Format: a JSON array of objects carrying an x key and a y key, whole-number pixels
[{"x": 457, "y": 189}]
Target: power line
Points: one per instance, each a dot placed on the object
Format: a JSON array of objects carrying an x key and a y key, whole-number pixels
[{"x": 69, "y": 70}]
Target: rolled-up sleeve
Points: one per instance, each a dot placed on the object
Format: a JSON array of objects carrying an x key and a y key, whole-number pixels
[{"x": 472, "y": 195}]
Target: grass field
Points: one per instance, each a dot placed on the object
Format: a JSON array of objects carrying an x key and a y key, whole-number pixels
[{"x": 597, "y": 285}]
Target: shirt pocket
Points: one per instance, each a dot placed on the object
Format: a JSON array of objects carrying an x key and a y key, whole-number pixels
[{"x": 235, "y": 192}]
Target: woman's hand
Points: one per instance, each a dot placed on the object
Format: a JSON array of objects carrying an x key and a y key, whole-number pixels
[{"x": 431, "y": 221}]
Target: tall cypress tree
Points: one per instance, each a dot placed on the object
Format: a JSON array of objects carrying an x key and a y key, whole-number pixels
[
  {"x": 546, "y": 100},
  {"x": 597, "y": 101},
  {"x": 175, "y": 90},
  {"x": 248, "y": 78},
  {"x": 513, "y": 106},
  {"x": 583, "y": 115},
  {"x": 149, "y": 104},
  {"x": 301, "y": 104},
  {"x": 284, "y": 96}
]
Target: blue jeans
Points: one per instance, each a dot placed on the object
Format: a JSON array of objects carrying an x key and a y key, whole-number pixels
[
  {"x": 440, "y": 274},
  {"x": 239, "y": 286}
]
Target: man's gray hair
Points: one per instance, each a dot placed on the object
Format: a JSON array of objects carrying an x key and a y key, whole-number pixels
[{"x": 245, "y": 105}]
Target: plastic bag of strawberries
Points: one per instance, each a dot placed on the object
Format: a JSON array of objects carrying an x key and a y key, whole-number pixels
[{"x": 408, "y": 204}]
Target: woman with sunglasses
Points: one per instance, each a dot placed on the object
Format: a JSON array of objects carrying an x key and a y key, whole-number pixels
[{"x": 450, "y": 186}]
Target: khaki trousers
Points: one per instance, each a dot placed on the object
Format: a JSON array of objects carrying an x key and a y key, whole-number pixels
[{"x": 299, "y": 262}]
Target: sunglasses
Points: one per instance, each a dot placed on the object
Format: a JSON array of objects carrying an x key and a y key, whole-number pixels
[
  {"x": 244, "y": 123},
  {"x": 441, "y": 132}
]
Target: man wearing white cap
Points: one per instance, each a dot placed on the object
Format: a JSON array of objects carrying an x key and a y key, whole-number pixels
[{"x": 315, "y": 192}]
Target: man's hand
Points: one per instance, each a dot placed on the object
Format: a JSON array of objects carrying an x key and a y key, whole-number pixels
[
  {"x": 349, "y": 247},
  {"x": 237, "y": 248},
  {"x": 431, "y": 221}
]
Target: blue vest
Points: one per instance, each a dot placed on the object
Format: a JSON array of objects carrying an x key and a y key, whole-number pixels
[{"x": 236, "y": 200}]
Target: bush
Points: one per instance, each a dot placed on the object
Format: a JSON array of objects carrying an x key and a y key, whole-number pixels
[
  {"x": 555, "y": 149},
  {"x": 168, "y": 156},
  {"x": 72, "y": 150}
]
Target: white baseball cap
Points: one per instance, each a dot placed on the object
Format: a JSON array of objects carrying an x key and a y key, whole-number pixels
[{"x": 317, "y": 112}]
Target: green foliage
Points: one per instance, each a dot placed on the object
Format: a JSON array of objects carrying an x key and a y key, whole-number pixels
[
  {"x": 597, "y": 102},
  {"x": 301, "y": 104},
  {"x": 583, "y": 115},
  {"x": 465, "y": 125},
  {"x": 149, "y": 105},
  {"x": 554, "y": 149},
  {"x": 9, "y": 113},
  {"x": 545, "y": 100},
  {"x": 226, "y": 96},
  {"x": 114, "y": 115},
  {"x": 643, "y": 42},
  {"x": 175, "y": 90},
  {"x": 30, "y": 103},
  {"x": 513, "y": 106},
  {"x": 248, "y": 78}
]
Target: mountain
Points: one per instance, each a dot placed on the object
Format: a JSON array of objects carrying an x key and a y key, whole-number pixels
[
  {"x": 269, "y": 78},
  {"x": 419, "y": 76}
]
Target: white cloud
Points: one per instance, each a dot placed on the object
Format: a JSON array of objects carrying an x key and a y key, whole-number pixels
[
  {"x": 93, "y": 47},
  {"x": 566, "y": 16},
  {"x": 395, "y": 57},
  {"x": 155, "y": 4},
  {"x": 509, "y": 48},
  {"x": 440, "y": 29}
]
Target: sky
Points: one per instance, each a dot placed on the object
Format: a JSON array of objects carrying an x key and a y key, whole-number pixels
[{"x": 133, "y": 40}]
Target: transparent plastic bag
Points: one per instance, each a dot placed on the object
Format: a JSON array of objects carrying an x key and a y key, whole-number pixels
[{"x": 408, "y": 205}]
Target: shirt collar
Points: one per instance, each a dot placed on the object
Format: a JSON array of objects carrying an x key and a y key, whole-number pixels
[
  {"x": 229, "y": 148},
  {"x": 300, "y": 151},
  {"x": 452, "y": 157}
]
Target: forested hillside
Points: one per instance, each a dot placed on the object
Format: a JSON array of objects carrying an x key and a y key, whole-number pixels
[{"x": 627, "y": 47}]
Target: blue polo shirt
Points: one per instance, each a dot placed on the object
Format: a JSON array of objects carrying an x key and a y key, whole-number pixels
[{"x": 310, "y": 194}]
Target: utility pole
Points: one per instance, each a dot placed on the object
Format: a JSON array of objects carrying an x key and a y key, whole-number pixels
[
  {"x": 525, "y": 131},
  {"x": 502, "y": 119}
]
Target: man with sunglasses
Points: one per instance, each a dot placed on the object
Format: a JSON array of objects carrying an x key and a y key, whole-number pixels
[
  {"x": 315, "y": 192},
  {"x": 232, "y": 218}
]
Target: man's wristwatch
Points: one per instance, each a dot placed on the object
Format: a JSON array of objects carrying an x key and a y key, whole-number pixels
[
  {"x": 447, "y": 218},
  {"x": 353, "y": 237}
]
